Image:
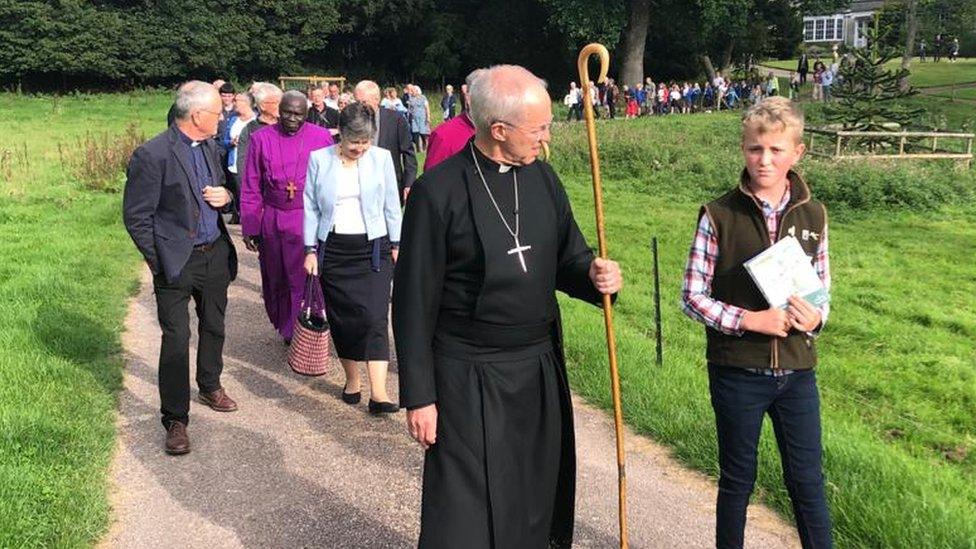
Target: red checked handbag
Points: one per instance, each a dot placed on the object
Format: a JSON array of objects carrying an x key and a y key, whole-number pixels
[{"x": 311, "y": 345}]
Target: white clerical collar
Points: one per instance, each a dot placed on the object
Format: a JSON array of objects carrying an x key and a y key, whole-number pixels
[{"x": 502, "y": 168}]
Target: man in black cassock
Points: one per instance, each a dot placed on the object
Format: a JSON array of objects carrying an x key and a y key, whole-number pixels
[{"x": 488, "y": 237}]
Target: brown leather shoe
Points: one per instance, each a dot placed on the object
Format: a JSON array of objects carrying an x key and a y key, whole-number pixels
[
  {"x": 219, "y": 401},
  {"x": 177, "y": 441}
]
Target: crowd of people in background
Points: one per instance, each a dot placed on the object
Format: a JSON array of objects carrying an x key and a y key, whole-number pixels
[
  {"x": 941, "y": 46},
  {"x": 651, "y": 98}
]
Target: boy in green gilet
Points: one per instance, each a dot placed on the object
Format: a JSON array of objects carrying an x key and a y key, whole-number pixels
[{"x": 761, "y": 358}]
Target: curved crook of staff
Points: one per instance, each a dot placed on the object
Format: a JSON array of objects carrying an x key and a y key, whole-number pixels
[{"x": 584, "y": 73}]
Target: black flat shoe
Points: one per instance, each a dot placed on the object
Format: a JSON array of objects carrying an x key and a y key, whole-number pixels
[
  {"x": 352, "y": 398},
  {"x": 377, "y": 408}
]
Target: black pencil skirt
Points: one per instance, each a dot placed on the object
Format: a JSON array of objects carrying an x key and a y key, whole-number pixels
[{"x": 356, "y": 277}]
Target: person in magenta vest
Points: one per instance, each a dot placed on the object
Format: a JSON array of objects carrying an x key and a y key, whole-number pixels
[
  {"x": 272, "y": 208},
  {"x": 451, "y": 136},
  {"x": 761, "y": 358}
]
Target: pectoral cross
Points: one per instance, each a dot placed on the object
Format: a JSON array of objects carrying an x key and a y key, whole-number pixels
[
  {"x": 291, "y": 188},
  {"x": 518, "y": 249}
]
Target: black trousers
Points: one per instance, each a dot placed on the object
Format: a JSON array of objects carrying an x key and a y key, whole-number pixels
[
  {"x": 233, "y": 184},
  {"x": 205, "y": 278}
]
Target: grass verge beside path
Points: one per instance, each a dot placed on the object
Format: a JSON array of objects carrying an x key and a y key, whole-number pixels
[
  {"x": 897, "y": 366},
  {"x": 66, "y": 269}
]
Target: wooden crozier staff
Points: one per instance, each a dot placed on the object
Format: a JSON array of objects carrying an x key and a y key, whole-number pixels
[{"x": 584, "y": 73}]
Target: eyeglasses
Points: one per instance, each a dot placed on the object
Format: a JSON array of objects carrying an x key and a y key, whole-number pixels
[
  {"x": 537, "y": 133},
  {"x": 215, "y": 113}
]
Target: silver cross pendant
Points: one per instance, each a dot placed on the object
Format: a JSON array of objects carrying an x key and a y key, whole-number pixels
[{"x": 518, "y": 249}]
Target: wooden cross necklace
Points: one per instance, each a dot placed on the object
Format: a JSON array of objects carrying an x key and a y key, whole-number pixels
[
  {"x": 290, "y": 187},
  {"x": 519, "y": 248}
]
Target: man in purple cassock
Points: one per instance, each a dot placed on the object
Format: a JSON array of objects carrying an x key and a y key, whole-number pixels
[{"x": 272, "y": 208}]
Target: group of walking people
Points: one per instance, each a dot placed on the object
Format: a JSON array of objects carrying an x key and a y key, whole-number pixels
[
  {"x": 823, "y": 76},
  {"x": 940, "y": 44},
  {"x": 664, "y": 98},
  {"x": 311, "y": 207},
  {"x": 475, "y": 255}
]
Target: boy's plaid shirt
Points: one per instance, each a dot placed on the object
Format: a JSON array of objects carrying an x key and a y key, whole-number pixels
[{"x": 696, "y": 291}]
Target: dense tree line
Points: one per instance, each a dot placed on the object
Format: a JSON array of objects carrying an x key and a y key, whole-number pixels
[{"x": 69, "y": 44}]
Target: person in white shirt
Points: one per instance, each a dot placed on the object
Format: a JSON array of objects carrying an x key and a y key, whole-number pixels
[
  {"x": 826, "y": 81},
  {"x": 574, "y": 102},
  {"x": 351, "y": 232},
  {"x": 332, "y": 100}
]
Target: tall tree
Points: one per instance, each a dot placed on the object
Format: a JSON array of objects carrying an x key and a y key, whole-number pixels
[
  {"x": 633, "y": 42},
  {"x": 583, "y": 21},
  {"x": 911, "y": 29},
  {"x": 868, "y": 92}
]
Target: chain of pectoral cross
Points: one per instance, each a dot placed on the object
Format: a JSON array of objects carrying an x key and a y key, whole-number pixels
[
  {"x": 290, "y": 187},
  {"x": 519, "y": 248}
]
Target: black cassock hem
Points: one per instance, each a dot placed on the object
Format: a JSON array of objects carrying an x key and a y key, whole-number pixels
[{"x": 502, "y": 474}]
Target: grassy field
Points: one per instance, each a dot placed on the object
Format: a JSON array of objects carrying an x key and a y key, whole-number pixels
[
  {"x": 66, "y": 269},
  {"x": 924, "y": 75},
  {"x": 958, "y": 93},
  {"x": 898, "y": 368}
]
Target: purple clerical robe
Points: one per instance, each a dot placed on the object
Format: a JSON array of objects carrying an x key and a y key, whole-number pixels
[{"x": 272, "y": 208}]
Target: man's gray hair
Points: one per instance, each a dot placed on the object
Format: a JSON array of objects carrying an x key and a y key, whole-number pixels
[
  {"x": 494, "y": 100},
  {"x": 293, "y": 94},
  {"x": 193, "y": 96},
  {"x": 264, "y": 91},
  {"x": 472, "y": 75},
  {"x": 369, "y": 88}
]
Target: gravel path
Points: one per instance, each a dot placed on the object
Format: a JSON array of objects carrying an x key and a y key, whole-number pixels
[{"x": 295, "y": 467}]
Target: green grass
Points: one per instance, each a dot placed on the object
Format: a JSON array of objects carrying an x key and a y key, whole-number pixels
[
  {"x": 66, "y": 269},
  {"x": 941, "y": 112},
  {"x": 897, "y": 365},
  {"x": 898, "y": 370},
  {"x": 924, "y": 75},
  {"x": 959, "y": 93}
]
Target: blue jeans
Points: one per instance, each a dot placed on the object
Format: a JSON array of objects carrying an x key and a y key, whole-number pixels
[{"x": 740, "y": 400}]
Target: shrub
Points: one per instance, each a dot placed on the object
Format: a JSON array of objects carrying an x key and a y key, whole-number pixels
[
  {"x": 97, "y": 160},
  {"x": 874, "y": 186},
  {"x": 697, "y": 157}
]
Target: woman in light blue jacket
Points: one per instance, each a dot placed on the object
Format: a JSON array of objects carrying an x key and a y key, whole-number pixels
[{"x": 352, "y": 228}]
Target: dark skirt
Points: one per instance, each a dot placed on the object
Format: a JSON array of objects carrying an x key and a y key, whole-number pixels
[{"x": 357, "y": 297}]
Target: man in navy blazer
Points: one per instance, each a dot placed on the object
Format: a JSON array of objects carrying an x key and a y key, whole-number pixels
[
  {"x": 392, "y": 134},
  {"x": 171, "y": 207}
]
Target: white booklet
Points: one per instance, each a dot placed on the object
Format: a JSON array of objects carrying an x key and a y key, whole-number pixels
[{"x": 784, "y": 269}]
